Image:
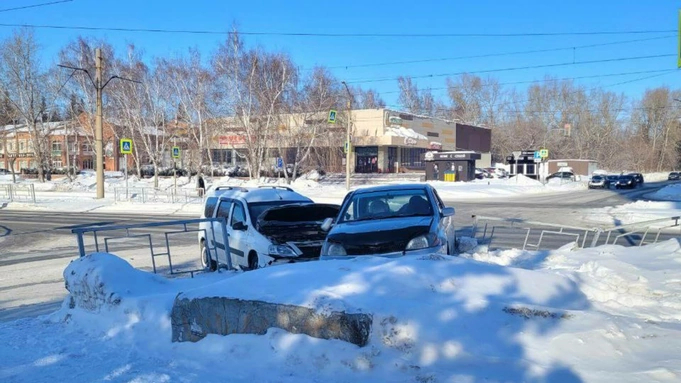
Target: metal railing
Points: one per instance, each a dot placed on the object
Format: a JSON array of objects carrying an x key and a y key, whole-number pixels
[
  {"x": 211, "y": 245},
  {"x": 17, "y": 192},
  {"x": 643, "y": 228},
  {"x": 143, "y": 195},
  {"x": 535, "y": 225}
]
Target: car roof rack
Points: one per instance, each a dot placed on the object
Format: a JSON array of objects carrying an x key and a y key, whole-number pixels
[
  {"x": 275, "y": 187},
  {"x": 243, "y": 189}
]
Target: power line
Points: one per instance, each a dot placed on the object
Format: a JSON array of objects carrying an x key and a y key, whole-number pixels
[
  {"x": 35, "y": 5},
  {"x": 517, "y": 68},
  {"x": 317, "y": 34},
  {"x": 554, "y": 79},
  {"x": 499, "y": 54}
]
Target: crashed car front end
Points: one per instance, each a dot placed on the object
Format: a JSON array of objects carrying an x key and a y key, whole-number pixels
[{"x": 294, "y": 231}]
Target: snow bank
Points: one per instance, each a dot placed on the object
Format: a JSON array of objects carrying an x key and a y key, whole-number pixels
[
  {"x": 638, "y": 211},
  {"x": 522, "y": 179},
  {"x": 101, "y": 280},
  {"x": 668, "y": 193},
  {"x": 595, "y": 315}
]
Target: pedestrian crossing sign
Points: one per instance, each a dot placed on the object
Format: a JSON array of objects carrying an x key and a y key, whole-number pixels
[
  {"x": 332, "y": 116},
  {"x": 176, "y": 152},
  {"x": 126, "y": 146}
]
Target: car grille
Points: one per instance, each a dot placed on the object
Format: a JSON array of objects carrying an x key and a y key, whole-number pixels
[{"x": 382, "y": 248}]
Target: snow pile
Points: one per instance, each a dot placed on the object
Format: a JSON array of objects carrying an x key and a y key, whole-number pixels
[
  {"x": 101, "y": 280},
  {"x": 668, "y": 193},
  {"x": 638, "y": 211},
  {"x": 522, "y": 179},
  {"x": 7, "y": 178},
  {"x": 400, "y": 131}
]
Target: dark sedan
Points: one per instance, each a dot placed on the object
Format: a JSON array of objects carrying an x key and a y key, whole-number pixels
[
  {"x": 674, "y": 176},
  {"x": 626, "y": 182},
  {"x": 390, "y": 221}
]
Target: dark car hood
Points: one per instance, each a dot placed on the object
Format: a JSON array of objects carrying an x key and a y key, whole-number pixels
[
  {"x": 379, "y": 236},
  {"x": 296, "y": 222}
]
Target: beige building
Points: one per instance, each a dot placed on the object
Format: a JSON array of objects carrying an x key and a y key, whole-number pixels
[{"x": 383, "y": 140}]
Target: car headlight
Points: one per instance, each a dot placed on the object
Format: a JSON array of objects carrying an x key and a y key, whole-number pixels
[
  {"x": 335, "y": 250},
  {"x": 282, "y": 251},
  {"x": 423, "y": 242}
]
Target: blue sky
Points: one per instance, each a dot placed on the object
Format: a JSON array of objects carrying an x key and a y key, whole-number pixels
[{"x": 425, "y": 16}]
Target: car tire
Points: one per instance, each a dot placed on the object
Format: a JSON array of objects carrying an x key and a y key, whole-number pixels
[
  {"x": 207, "y": 263},
  {"x": 252, "y": 260}
]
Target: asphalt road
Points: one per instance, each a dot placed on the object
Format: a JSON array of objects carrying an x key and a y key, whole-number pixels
[{"x": 36, "y": 246}]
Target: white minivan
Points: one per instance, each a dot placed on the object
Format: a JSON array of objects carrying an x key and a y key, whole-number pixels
[{"x": 265, "y": 225}]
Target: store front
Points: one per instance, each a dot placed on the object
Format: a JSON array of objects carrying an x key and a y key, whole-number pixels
[{"x": 366, "y": 159}]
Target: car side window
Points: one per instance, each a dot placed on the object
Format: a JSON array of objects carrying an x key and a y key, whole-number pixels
[
  {"x": 223, "y": 209},
  {"x": 440, "y": 204},
  {"x": 238, "y": 214}
]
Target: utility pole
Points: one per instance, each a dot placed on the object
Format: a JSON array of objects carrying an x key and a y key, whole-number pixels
[
  {"x": 99, "y": 114},
  {"x": 99, "y": 130},
  {"x": 348, "y": 146}
]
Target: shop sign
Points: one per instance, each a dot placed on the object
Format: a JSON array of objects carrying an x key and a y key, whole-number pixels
[
  {"x": 231, "y": 140},
  {"x": 410, "y": 141}
]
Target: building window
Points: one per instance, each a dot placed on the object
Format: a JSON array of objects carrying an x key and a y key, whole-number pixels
[
  {"x": 433, "y": 134},
  {"x": 57, "y": 164},
  {"x": 88, "y": 164},
  {"x": 2, "y": 147},
  {"x": 72, "y": 147},
  {"x": 86, "y": 148},
  {"x": 10, "y": 147},
  {"x": 22, "y": 145},
  {"x": 413, "y": 157},
  {"x": 56, "y": 146}
]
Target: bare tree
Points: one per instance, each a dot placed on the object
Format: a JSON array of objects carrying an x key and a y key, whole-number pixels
[
  {"x": 257, "y": 84},
  {"x": 368, "y": 99},
  {"x": 22, "y": 78}
]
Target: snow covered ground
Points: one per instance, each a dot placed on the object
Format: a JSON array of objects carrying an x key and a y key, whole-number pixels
[
  {"x": 666, "y": 202},
  {"x": 79, "y": 195},
  {"x": 596, "y": 315}
]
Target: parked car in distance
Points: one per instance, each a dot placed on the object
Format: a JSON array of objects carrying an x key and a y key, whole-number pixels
[
  {"x": 638, "y": 177},
  {"x": 4, "y": 172},
  {"x": 626, "y": 182},
  {"x": 390, "y": 221},
  {"x": 599, "y": 182},
  {"x": 674, "y": 176},
  {"x": 497, "y": 172},
  {"x": 265, "y": 226},
  {"x": 482, "y": 173},
  {"x": 612, "y": 179},
  {"x": 565, "y": 176}
]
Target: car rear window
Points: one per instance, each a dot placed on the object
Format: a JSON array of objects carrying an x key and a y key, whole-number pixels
[{"x": 209, "y": 207}]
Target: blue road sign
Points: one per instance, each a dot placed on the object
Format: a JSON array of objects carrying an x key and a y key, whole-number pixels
[
  {"x": 176, "y": 152},
  {"x": 126, "y": 146},
  {"x": 537, "y": 155},
  {"x": 280, "y": 162}
]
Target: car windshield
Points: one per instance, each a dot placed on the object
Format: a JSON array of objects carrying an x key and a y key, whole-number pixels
[
  {"x": 626, "y": 178},
  {"x": 387, "y": 204},
  {"x": 597, "y": 178},
  {"x": 256, "y": 209}
]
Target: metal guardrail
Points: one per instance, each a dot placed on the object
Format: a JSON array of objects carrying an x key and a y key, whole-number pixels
[
  {"x": 17, "y": 192},
  {"x": 626, "y": 230},
  {"x": 143, "y": 195},
  {"x": 211, "y": 246},
  {"x": 642, "y": 227},
  {"x": 530, "y": 225}
]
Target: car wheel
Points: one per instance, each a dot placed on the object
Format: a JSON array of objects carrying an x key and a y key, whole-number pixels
[
  {"x": 206, "y": 261},
  {"x": 252, "y": 260}
]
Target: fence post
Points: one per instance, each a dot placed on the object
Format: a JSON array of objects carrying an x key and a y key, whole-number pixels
[{"x": 81, "y": 246}]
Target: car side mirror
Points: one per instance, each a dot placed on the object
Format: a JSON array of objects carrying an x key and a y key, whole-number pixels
[
  {"x": 326, "y": 225},
  {"x": 448, "y": 211},
  {"x": 239, "y": 226}
]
